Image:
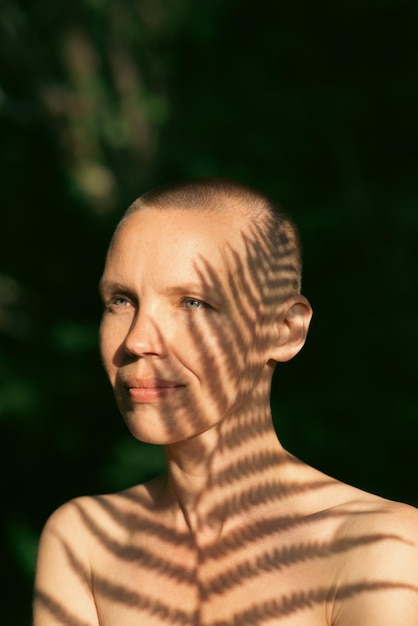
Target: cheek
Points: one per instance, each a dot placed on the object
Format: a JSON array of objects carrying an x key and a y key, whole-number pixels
[
  {"x": 245, "y": 357},
  {"x": 224, "y": 353},
  {"x": 206, "y": 348}
]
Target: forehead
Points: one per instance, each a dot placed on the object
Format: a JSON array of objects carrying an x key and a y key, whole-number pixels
[{"x": 207, "y": 237}]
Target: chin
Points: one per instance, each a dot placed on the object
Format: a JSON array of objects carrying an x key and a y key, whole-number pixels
[
  {"x": 161, "y": 435},
  {"x": 153, "y": 431}
]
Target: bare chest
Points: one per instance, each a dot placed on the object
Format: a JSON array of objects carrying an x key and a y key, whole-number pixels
[{"x": 235, "y": 582}]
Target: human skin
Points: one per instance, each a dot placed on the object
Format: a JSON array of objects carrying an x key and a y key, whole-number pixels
[{"x": 237, "y": 531}]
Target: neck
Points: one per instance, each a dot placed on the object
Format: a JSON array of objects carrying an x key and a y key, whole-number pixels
[{"x": 209, "y": 475}]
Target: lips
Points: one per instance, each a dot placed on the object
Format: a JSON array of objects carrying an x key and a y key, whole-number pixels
[{"x": 150, "y": 389}]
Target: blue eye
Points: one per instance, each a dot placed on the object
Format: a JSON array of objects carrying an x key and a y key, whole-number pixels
[
  {"x": 120, "y": 301},
  {"x": 193, "y": 303}
]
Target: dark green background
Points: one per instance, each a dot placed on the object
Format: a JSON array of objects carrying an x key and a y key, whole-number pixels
[{"x": 314, "y": 103}]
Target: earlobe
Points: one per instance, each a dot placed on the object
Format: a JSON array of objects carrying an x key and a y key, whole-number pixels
[{"x": 291, "y": 328}]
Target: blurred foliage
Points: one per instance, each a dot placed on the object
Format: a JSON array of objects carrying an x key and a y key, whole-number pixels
[{"x": 314, "y": 103}]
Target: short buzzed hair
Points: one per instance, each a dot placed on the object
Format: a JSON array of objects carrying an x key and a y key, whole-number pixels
[{"x": 277, "y": 234}]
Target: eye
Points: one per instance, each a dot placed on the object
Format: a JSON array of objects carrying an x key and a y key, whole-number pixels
[
  {"x": 114, "y": 303},
  {"x": 120, "y": 301},
  {"x": 194, "y": 303}
]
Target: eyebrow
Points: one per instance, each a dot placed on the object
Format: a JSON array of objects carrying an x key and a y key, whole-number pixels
[
  {"x": 106, "y": 286},
  {"x": 189, "y": 288}
]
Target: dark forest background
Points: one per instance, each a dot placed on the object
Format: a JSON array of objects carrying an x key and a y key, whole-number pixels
[{"x": 100, "y": 100}]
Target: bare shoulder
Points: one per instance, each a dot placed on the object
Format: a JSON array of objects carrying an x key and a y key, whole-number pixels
[
  {"x": 63, "y": 592},
  {"x": 66, "y": 527},
  {"x": 69, "y": 549},
  {"x": 370, "y": 512},
  {"x": 83, "y": 523},
  {"x": 377, "y": 580},
  {"x": 88, "y": 514}
]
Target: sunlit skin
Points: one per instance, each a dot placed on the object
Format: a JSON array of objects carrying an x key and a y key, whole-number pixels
[
  {"x": 173, "y": 342},
  {"x": 183, "y": 364},
  {"x": 237, "y": 531}
]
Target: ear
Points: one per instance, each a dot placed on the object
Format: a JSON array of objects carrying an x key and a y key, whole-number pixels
[{"x": 290, "y": 328}]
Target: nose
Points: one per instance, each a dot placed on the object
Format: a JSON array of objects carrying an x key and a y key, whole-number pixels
[{"x": 144, "y": 337}]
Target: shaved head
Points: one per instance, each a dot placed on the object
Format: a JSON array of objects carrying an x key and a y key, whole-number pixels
[{"x": 274, "y": 242}]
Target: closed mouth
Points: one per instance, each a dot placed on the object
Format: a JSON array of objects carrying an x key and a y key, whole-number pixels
[{"x": 150, "y": 389}]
